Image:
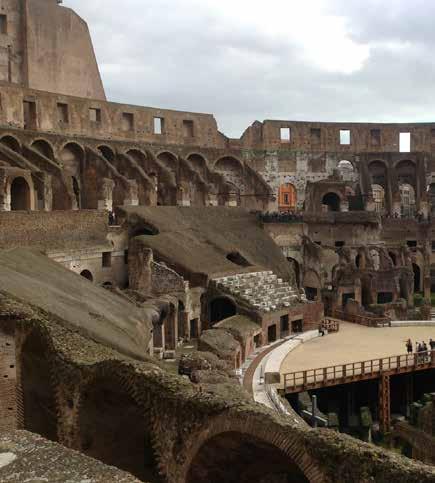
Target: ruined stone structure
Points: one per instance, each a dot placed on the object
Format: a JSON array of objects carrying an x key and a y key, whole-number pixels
[{"x": 216, "y": 244}]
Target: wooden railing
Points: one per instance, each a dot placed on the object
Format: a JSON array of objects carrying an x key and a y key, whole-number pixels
[
  {"x": 365, "y": 320},
  {"x": 345, "y": 373},
  {"x": 330, "y": 324}
]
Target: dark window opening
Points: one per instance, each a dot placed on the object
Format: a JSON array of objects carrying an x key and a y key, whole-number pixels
[
  {"x": 433, "y": 246},
  {"x": 340, "y": 244},
  {"x": 385, "y": 298},
  {"x": 20, "y": 195},
  {"x": 412, "y": 243},
  {"x": 147, "y": 230},
  {"x": 188, "y": 129},
  {"x": 393, "y": 258},
  {"x": 30, "y": 116},
  {"x": 127, "y": 123},
  {"x": 346, "y": 297},
  {"x": 375, "y": 137},
  {"x": 316, "y": 135},
  {"x": 285, "y": 325},
  {"x": 271, "y": 333},
  {"x": 417, "y": 277},
  {"x": 126, "y": 257},
  {"x": 95, "y": 115},
  {"x": 311, "y": 293},
  {"x": 62, "y": 113},
  {"x": 3, "y": 24},
  {"x": 106, "y": 259},
  {"x": 332, "y": 201},
  {"x": 194, "y": 328},
  {"x": 318, "y": 243},
  {"x": 297, "y": 326},
  {"x": 238, "y": 259}
]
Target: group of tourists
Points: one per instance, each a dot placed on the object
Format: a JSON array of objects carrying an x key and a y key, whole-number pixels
[
  {"x": 420, "y": 347},
  {"x": 280, "y": 217}
]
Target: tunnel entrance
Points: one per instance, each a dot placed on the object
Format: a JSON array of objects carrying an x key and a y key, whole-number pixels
[
  {"x": 221, "y": 308},
  {"x": 332, "y": 201},
  {"x": 20, "y": 195},
  {"x": 233, "y": 457}
]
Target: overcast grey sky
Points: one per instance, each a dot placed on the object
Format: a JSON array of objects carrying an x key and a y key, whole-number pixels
[{"x": 247, "y": 60}]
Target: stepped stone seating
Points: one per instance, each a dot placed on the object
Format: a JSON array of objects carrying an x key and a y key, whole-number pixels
[{"x": 262, "y": 290}]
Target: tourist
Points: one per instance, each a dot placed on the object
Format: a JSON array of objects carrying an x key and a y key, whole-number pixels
[
  {"x": 321, "y": 331},
  {"x": 409, "y": 346},
  {"x": 432, "y": 345},
  {"x": 112, "y": 220}
]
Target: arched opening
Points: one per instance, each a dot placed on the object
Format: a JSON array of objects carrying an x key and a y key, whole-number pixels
[
  {"x": 236, "y": 457},
  {"x": 11, "y": 143},
  {"x": 198, "y": 163},
  {"x": 88, "y": 275},
  {"x": 44, "y": 148},
  {"x": 417, "y": 277},
  {"x": 221, "y": 308},
  {"x": 238, "y": 259},
  {"x": 113, "y": 429},
  {"x": 346, "y": 170},
  {"x": 169, "y": 160},
  {"x": 407, "y": 201},
  {"x": 287, "y": 197},
  {"x": 378, "y": 194},
  {"x": 296, "y": 269},
  {"x": 406, "y": 173},
  {"x": 358, "y": 261},
  {"x": 20, "y": 195},
  {"x": 39, "y": 406},
  {"x": 144, "y": 230},
  {"x": 332, "y": 201},
  {"x": 107, "y": 153}
]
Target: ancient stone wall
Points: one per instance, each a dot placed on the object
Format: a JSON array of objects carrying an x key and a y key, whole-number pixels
[{"x": 55, "y": 230}]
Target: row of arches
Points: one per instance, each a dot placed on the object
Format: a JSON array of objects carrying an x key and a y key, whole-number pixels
[{"x": 113, "y": 424}]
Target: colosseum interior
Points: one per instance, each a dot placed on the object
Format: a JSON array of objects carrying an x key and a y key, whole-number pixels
[{"x": 179, "y": 306}]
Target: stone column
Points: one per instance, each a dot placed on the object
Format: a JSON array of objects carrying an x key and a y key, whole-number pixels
[
  {"x": 132, "y": 197},
  {"x": 384, "y": 404},
  {"x": 5, "y": 197},
  {"x": 105, "y": 196}
]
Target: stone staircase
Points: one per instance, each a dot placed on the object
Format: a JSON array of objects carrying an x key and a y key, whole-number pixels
[{"x": 264, "y": 291}]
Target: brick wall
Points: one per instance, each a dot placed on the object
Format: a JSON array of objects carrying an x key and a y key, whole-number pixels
[
  {"x": 53, "y": 230},
  {"x": 8, "y": 383},
  {"x": 313, "y": 315}
]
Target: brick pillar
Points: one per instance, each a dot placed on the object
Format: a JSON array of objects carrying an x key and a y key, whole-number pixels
[
  {"x": 8, "y": 383},
  {"x": 384, "y": 404}
]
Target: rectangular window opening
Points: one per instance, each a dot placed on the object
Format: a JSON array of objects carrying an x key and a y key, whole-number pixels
[
  {"x": 285, "y": 134},
  {"x": 30, "y": 116},
  {"x": 433, "y": 246},
  {"x": 127, "y": 121},
  {"x": 375, "y": 137},
  {"x": 107, "y": 259},
  {"x": 159, "y": 125},
  {"x": 188, "y": 131},
  {"x": 340, "y": 244},
  {"x": 3, "y": 24},
  {"x": 316, "y": 136},
  {"x": 344, "y": 137},
  {"x": 95, "y": 115},
  {"x": 62, "y": 113},
  {"x": 126, "y": 257},
  {"x": 405, "y": 142}
]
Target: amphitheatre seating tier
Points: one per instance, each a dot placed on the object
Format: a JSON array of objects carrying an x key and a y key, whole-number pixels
[{"x": 263, "y": 291}]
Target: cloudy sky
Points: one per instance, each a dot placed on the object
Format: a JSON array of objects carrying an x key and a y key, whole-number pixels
[{"x": 247, "y": 60}]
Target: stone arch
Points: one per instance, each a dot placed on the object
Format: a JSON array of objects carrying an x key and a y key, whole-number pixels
[
  {"x": 107, "y": 152},
  {"x": 39, "y": 403},
  {"x": 406, "y": 171},
  {"x": 113, "y": 426},
  {"x": 11, "y": 142},
  {"x": 297, "y": 270},
  {"x": 243, "y": 448},
  {"x": 378, "y": 172},
  {"x": 44, "y": 148},
  {"x": 221, "y": 308},
  {"x": 169, "y": 159},
  {"x": 198, "y": 162},
  {"x": 87, "y": 274},
  {"x": 287, "y": 197},
  {"x": 21, "y": 199},
  {"x": 332, "y": 201},
  {"x": 393, "y": 257},
  {"x": 228, "y": 164}
]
